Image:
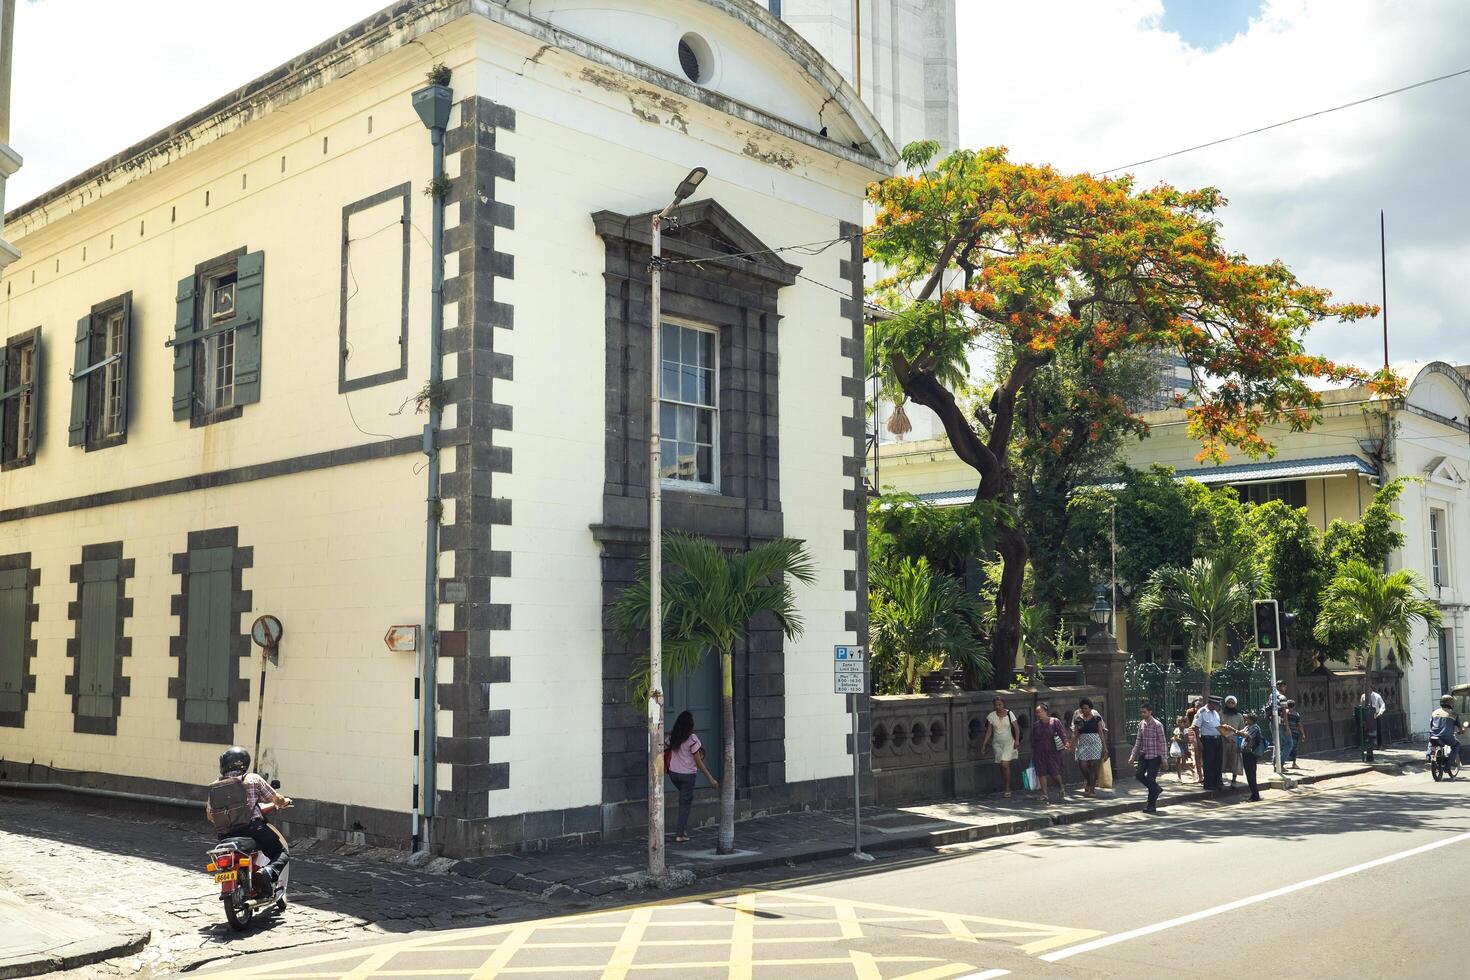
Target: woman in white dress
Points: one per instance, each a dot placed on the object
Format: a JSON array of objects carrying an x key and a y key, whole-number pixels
[{"x": 1002, "y": 732}]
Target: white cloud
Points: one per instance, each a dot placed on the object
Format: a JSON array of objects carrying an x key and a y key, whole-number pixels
[{"x": 1094, "y": 84}]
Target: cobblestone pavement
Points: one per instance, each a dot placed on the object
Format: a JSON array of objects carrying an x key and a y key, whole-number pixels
[{"x": 111, "y": 870}]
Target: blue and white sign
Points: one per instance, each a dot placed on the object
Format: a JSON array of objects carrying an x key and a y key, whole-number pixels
[{"x": 848, "y": 670}]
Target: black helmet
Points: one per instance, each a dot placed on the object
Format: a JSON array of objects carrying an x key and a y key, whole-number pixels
[
  {"x": 232, "y": 759},
  {"x": 1448, "y": 701}
]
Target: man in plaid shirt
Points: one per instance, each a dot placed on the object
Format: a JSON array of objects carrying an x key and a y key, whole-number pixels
[{"x": 1149, "y": 751}]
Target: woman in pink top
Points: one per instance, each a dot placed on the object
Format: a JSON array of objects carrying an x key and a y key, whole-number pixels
[{"x": 685, "y": 760}]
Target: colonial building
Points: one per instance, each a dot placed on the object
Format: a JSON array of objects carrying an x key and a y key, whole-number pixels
[
  {"x": 1332, "y": 471},
  {"x": 226, "y": 329}
]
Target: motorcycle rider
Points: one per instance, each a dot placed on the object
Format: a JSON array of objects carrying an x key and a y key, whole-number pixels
[
  {"x": 234, "y": 809},
  {"x": 1444, "y": 723}
]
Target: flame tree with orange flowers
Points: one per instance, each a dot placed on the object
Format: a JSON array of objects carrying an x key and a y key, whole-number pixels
[{"x": 1031, "y": 265}]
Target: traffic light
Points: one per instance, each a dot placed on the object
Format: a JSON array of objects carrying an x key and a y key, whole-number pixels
[{"x": 1268, "y": 625}]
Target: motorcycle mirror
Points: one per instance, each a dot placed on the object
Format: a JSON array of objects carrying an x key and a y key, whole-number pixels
[{"x": 275, "y": 784}]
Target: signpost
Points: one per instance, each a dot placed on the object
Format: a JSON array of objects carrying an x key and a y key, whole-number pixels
[
  {"x": 1268, "y": 641},
  {"x": 849, "y": 677}
]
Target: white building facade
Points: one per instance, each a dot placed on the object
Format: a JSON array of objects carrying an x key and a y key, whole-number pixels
[{"x": 228, "y": 328}]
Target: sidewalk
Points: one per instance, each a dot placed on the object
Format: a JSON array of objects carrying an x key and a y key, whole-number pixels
[
  {"x": 79, "y": 885},
  {"x": 810, "y": 836}
]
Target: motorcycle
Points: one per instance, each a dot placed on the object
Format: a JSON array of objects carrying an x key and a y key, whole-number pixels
[
  {"x": 1443, "y": 760},
  {"x": 238, "y": 867}
]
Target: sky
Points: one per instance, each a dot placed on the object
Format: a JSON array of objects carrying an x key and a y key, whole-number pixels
[
  {"x": 1089, "y": 85},
  {"x": 1081, "y": 84}
]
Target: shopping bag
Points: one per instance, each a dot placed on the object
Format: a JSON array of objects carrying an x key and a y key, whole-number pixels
[
  {"x": 1105, "y": 778},
  {"x": 1028, "y": 778}
]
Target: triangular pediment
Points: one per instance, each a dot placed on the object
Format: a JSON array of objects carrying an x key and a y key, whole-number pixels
[
  {"x": 702, "y": 230},
  {"x": 1442, "y": 469}
]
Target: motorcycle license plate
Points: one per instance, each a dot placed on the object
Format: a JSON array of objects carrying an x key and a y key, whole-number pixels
[{"x": 226, "y": 876}]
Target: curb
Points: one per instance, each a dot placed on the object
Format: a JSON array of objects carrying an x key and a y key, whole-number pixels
[
  {"x": 82, "y": 952},
  {"x": 1022, "y": 825}
]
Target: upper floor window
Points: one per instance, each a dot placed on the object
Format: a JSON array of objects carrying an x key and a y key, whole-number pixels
[
  {"x": 217, "y": 338},
  {"x": 20, "y": 399},
  {"x": 1292, "y": 492},
  {"x": 99, "y": 398},
  {"x": 1439, "y": 572},
  {"x": 689, "y": 410}
]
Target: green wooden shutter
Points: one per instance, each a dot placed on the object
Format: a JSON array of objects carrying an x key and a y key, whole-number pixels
[
  {"x": 207, "y": 650},
  {"x": 125, "y": 360},
  {"x": 12, "y": 639},
  {"x": 4, "y": 386},
  {"x": 82, "y": 359},
  {"x": 97, "y": 669},
  {"x": 249, "y": 290},
  {"x": 38, "y": 400},
  {"x": 184, "y": 351}
]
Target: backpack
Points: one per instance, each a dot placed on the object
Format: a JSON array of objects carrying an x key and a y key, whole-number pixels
[{"x": 228, "y": 806}]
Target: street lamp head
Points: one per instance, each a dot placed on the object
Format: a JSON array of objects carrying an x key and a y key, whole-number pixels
[
  {"x": 1101, "y": 608},
  {"x": 690, "y": 184}
]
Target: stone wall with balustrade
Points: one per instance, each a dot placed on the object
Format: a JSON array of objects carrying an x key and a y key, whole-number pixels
[{"x": 927, "y": 746}]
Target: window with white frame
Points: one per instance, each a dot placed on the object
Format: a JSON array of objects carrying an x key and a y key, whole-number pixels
[
  {"x": 689, "y": 413},
  {"x": 218, "y": 389},
  {"x": 1438, "y": 564}
]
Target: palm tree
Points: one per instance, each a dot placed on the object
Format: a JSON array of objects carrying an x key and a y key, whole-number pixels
[
  {"x": 1370, "y": 605},
  {"x": 917, "y": 617},
  {"x": 1203, "y": 600},
  {"x": 709, "y": 598}
]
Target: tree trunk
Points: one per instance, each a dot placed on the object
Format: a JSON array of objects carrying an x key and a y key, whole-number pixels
[
  {"x": 727, "y": 773},
  {"x": 1005, "y": 635}
]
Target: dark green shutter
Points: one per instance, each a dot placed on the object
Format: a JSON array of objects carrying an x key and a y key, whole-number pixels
[
  {"x": 37, "y": 399},
  {"x": 249, "y": 290},
  {"x": 77, "y": 433},
  {"x": 12, "y": 639},
  {"x": 207, "y": 650},
  {"x": 125, "y": 361},
  {"x": 97, "y": 668},
  {"x": 4, "y": 387},
  {"x": 184, "y": 351}
]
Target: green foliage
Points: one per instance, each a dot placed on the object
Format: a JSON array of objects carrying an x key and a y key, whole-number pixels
[
  {"x": 1291, "y": 564},
  {"x": 1203, "y": 601},
  {"x": 901, "y": 525},
  {"x": 709, "y": 598},
  {"x": 1366, "y": 605},
  {"x": 917, "y": 618},
  {"x": 1375, "y": 535}
]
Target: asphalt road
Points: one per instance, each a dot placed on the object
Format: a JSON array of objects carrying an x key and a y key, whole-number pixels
[{"x": 1330, "y": 883}]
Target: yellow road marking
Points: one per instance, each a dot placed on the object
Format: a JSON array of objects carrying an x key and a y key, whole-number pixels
[
  {"x": 371, "y": 965},
  {"x": 864, "y": 965},
  {"x": 626, "y": 949},
  {"x": 503, "y": 953},
  {"x": 742, "y": 936}
]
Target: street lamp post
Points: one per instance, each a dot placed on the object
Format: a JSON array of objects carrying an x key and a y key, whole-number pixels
[{"x": 655, "y": 535}]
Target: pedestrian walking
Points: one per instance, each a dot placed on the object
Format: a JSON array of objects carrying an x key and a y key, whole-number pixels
[
  {"x": 1298, "y": 730},
  {"x": 1090, "y": 738},
  {"x": 1375, "y": 701},
  {"x": 1048, "y": 741},
  {"x": 1252, "y": 747},
  {"x": 1181, "y": 752},
  {"x": 1288, "y": 743},
  {"x": 1148, "y": 754},
  {"x": 1002, "y": 732},
  {"x": 1231, "y": 717},
  {"x": 1212, "y": 753},
  {"x": 684, "y": 760}
]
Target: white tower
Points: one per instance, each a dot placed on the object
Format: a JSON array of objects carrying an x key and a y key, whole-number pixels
[{"x": 901, "y": 56}]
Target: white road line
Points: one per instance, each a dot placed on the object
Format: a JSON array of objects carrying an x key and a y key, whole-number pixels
[
  {"x": 985, "y": 975},
  {"x": 1123, "y": 937}
]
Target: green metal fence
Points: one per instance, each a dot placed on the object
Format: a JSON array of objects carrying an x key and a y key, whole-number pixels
[{"x": 1170, "y": 688}]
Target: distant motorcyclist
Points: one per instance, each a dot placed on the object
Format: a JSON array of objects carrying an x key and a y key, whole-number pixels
[
  {"x": 234, "y": 808},
  {"x": 1444, "y": 724}
]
